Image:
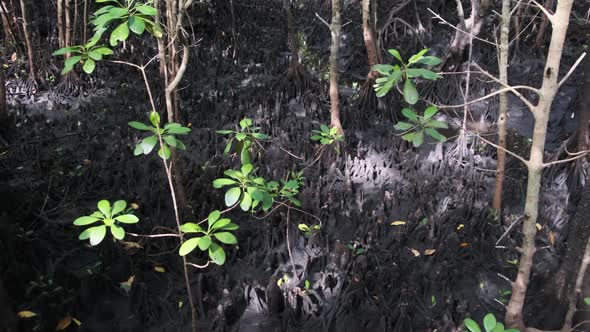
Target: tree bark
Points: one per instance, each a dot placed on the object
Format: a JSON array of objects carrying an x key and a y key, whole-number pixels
[
  {"x": 85, "y": 22},
  {"x": 68, "y": 32},
  {"x": 60, "y": 24},
  {"x": 583, "y": 109},
  {"x": 543, "y": 26},
  {"x": 3, "y": 111},
  {"x": 369, "y": 37},
  {"x": 503, "y": 107},
  {"x": 8, "y": 34},
  {"x": 28, "y": 41},
  {"x": 292, "y": 39},
  {"x": 334, "y": 70},
  {"x": 560, "y": 22}
]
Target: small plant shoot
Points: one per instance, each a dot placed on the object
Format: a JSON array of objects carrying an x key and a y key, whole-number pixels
[
  {"x": 405, "y": 71},
  {"x": 327, "y": 136},
  {"x": 112, "y": 218},
  {"x": 217, "y": 230},
  {"x": 167, "y": 134},
  {"x": 245, "y": 139},
  {"x": 418, "y": 126}
]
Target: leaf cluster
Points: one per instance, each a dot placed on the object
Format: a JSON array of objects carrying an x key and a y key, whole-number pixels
[
  {"x": 218, "y": 229},
  {"x": 244, "y": 139},
  {"x": 327, "y": 136},
  {"x": 168, "y": 134},
  {"x": 417, "y": 126},
  {"x": 109, "y": 217},
  {"x": 490, "y": 325}
]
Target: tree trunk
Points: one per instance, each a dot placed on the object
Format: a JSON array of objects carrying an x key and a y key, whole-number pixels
[
  {"x": 28, "y": 42},
  {"x": 292, "y": 39},
  {"x": 3, "y": 111},
  {"x": 583, "y": 109},
  {"x": 74, "y": 26},
  {"x": 85, "y": 22},
  {"x": 68, "y": 32},
  {"x": 8, "y": 34},
  {"x": 60, "y": 24},
  {"x": 543, "y": 26},
  {"x": 334, "y": 70},
  {"x": 560, "y": 22},
  {"x": 503, "y": 69},
  {"x": 369, "y": 37}
]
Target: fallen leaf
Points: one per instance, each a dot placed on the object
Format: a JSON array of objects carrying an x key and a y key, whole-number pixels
[
  {"x": 159, "y": 269},
  {"x": 415, "y": 252},
  {"x": 539, "y": 227},
  {"x": 126, "y": 285},
  {"x": 134, "y": 206},
  {"x": 63, "y": 323},
  {"x": 130, "y": 245},
  {"x": 77, "y": 321},
  {"x": 180, "y": 303},
  {"x": 460, "y": 227},
  {"x": 398, "y": 223},
  {"x": 26, "y": 314},
  {"x": 464, "y": 245},
  {"x": 13, "y": 57},
  {"x": 552, "y": 238},
  {"x": 429, "y": 252}
]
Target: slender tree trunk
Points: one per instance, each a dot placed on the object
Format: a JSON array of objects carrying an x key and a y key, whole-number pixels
[
  {"x": 560, "y": 22},
  {"x": 28, "y": 41},
  {"x": 292, "y": 39},
  {"x": 68, "y": 32},
  {"x": 161, "y": 51},
  {"x": 574, "y": 297},
  {"x": 74, "y": 26},
  {"x": 369, "y": 37},
  {"x": 543, "y": 26},
  {"x": 334, "y": 70},
  {"x": 60, "y": 24},
  {"x": 8, "y": 34},
  {"x": 503, "y": 68},
  {"x": 85, "y": 22},
  {"x": 3, "y": 111},
  {"x": 583, "y": 108}
]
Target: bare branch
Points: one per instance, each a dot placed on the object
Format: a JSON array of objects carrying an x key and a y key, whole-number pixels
[
  {"x": 578, "y": 156},
  {"x": 481, "y": 98},
  {"x": 323, "y": 21},
  {"x": 524, "y": 161},
  {"x": 153, "y": 235},
  {"x": 518, "y": 94},
  {"x": 544, "y": 10},
  {"x": 197, "y": 265},
  {"x": 443, "y": 21},
  {"x": 571, "y": 70}
]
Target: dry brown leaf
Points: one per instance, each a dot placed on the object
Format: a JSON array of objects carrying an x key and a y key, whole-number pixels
[
  {"x": 64, "y": 323},
  {"x": 429, "y": 252},
  {"x": 77, "y": 321},
  {"x": 159, "y": 269},
  {"x": 26, "y": 314},
  {"x": 415, "y": 252},
  {"x": 539, "y": 226},
  {"x": 398, "y": 223},
  {"x": 552, "y": 238},
  {"x": 464, "y": 245},
  {"x": 460, "y": 227},
  {"x": 13, "y": 57}
]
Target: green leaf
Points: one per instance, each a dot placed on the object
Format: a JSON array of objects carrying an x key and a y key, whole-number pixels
[
  {"x": 118, "y": 232},
  {"x": 489, "y": 322},
  {"x": 86, "y": 220},
  {"x": 303, "y": 227},
  {"x": 205, "y": 243},
  {"x": 245, "y": 156},
  {"x": 418, "y": 139},
  {"x": 85, "y": 235},
  {"x": 396, "y": 54},
  {"x": 410, "y": 114},
  {"x": 118, "y": 12},
  {"x": 499, "y": 328},
  {"x": 103, "y": 50},
  {"x": 220, "y": 223},
  {"x": 175, "y": 128},
  {"x": 587, "y": 300},
  {"x": 222, "y": 182},
  {"x": 118, "y": 207},
  {"x": 429, "y": 61},
  {"x": 180, "y": 145},
  {"x": 383, "y": 69},
  {"x": 226, "y": 237},
  {"x": 148, "y": 143},
  {"x": 257, "y": 194},
  {"x": 105, "y": 208},
  {"x": 154, "y": 29},
  {"x": 437, "y": 124},
  {"x": 216, "y": 254},
  {"x": 121, "y": 33},
  {"x": 224, "y": 132},
  {"x": 164, "y": 152},
  {"x": 245, "y": 122},
  {"x": 65, "y": 50},
  {"x": 471, "y": 325},
  {"x": 95, "y": 38},
  {"x": 94, "y": 55},
  {"x": 246, "y": 169},
  {"x": 424, "y": 73},
  {"x": 188, "y": 246},
  {"x": 191, "y": 227},
  {"x": 213, "y": 217},
  {"x": 229, "y": 226},
  {"x": 232, "y": 196},
  {"x": 435, "y": 134},
  {"x": 103, "y": 10},
  {"x": 127, "y": 219},
  {"x": 136, "y": 25},
  {"x": 70, "y": 63},
  {"x": 410, "y": 93},
  {"x": 97, "y": 234},
  {"x": 512, "y": 330},
  {"x": 155, "y": 118},
  {"x": 139, "y": 125},
  {"x": 409, "y": 137},
  {"x": 430, "y": 112},
  {"x": 246, "y": 202},
  {"x": 403, "y": 126},
  {"x": 170, "y": 140},
  {"x": 417, "y": 56},
  {"x": 259, "y": 135},
  {"x": 89, "y": 66},
  {"x": 146, "y": 10}
]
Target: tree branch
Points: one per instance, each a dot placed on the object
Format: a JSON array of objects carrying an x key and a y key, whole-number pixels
[
  {"x": 571, "y": 70},
  {"x": 544, "y": 10}
]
